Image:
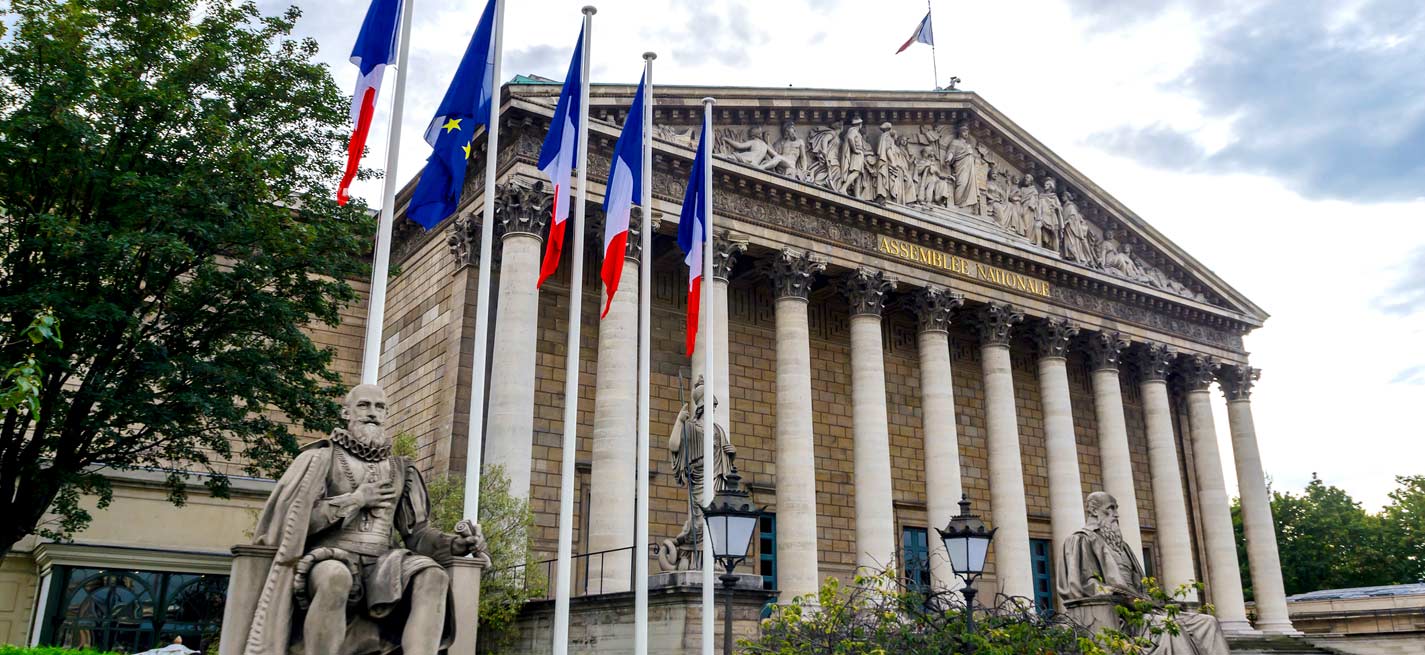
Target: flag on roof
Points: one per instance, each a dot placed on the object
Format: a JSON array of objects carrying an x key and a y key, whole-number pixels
[
  {"x": 556, "y": 158},
  {"x": 375, "y": 50},
  {"x": 623, "y": 192},
  {"x": 923, "y": 34},
  {"x": 693, "y": 233}
]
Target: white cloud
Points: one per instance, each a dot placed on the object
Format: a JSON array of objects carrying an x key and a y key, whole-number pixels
[{"x": 1334, "y": 397}]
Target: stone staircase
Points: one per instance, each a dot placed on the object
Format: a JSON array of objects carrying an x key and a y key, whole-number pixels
[{"x": 1276, "y": 645}]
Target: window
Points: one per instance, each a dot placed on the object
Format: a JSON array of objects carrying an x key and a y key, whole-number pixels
[
  {"x": 915, "y": 558},
  {"x": 767, "y": 550},
  {"x": 1148, "y": 562},
  {"x": 131, "y": 611},
  {"x": 1040, "y": 561}
]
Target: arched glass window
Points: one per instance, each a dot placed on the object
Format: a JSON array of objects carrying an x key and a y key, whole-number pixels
[{"x": 132, "y": 611}]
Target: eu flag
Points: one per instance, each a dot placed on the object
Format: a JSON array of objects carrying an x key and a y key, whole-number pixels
[{"x": 451, "y": 132}]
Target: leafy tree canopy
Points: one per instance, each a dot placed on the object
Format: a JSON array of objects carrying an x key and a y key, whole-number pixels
[{"x": 166, "y": 170}]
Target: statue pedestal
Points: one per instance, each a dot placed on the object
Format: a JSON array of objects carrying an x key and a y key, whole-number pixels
[
  {"x": 249, "y": 572},
  {"x": 465, "y": 574},
  {"x": 604, "y": 623},
  {"x": 1094, "y": 613}
]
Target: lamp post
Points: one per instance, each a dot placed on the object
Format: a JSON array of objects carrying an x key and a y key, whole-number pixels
[
  {"x": 731, "y": 520},
  {"x": 967, "y": 541}
]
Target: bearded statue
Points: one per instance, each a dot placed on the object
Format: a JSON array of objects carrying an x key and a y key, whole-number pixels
[
  {"x": 1100, "y": 571},
  {"x": 358, "y": 569}
]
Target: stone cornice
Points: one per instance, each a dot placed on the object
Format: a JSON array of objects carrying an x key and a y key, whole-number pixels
[{"x": 1053, "y": 335}]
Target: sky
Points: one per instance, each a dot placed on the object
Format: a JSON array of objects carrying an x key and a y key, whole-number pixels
[{"x": 1281, "y": 143}]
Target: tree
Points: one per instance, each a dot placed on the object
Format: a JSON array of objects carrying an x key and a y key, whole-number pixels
[
  {"x": 166, "y": 174},
  {"x": 1404, "y": 525},
  {"x": 1325, "y": 539}
]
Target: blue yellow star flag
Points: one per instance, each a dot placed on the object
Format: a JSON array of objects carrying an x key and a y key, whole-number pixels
[{"x": 452, "y": 131}]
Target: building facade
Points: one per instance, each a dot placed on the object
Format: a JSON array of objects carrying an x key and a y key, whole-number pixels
[{"x": 915, "y": 300}]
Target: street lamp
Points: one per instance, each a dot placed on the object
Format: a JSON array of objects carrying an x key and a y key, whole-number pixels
[
  {"x": 967, "y": 541},
  {"x": 731, "y": 520}
]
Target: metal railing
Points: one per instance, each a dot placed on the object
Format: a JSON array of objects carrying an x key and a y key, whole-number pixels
[{"x": 593, "y": 573}]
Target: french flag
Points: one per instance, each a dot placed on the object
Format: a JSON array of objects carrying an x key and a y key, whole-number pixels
[
  {"x": 556, "y": 158},
  {"x": 693, "y": 233},
  {"x": 624, "y": 191},
  {"x": 375, "y": 50},
  {"x": 923, "y": 34}
]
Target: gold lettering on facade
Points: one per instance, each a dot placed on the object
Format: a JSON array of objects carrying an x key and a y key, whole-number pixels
[{"x": 960, "y": 266}]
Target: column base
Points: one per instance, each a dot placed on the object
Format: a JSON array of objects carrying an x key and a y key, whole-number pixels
[
  {"x": 1283, "y": 628},
  {"x": 1238, "y": 628}
]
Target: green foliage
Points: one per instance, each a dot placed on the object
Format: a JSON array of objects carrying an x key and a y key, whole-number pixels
[
  {"x": 166, "y": 174},
  {"x": 878, "y": 616},
  {"x": 48, "y": 650},
  {"x": 1326, "y": 540},
  {"x": 506, "y": 521}
]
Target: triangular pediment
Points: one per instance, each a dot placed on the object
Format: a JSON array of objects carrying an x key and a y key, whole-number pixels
[{"x": 946, "y": 159}]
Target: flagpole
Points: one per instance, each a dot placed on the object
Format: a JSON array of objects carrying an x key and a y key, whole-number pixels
[
  {"x": 645, "y": 328},
  {"x": 569, "y": 445},
  {"x": 709, "y": 399},
  {"x": 381, "y": 263},
  {"x": 475, "y": 439},
  {"x": 934, "y": 65}
]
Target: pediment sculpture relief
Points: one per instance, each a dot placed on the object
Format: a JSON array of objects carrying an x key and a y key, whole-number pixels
[{"x": 933, "y": 169}]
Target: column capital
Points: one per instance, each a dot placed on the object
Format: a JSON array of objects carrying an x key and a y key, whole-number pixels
[
  {"x": 1052, "y": 335},
  {"x": 1155, "y": 361},
  {"x": 933, "y": 304},
  {"x": 867, "y": 290},
  {"x": 726, "y": 247},
  {"x": 792, "y": 272},
  {"x": 1237, "y": 380},
  {"x": 633, "y": 247},
  {"x": 1105, "y": 348},
  {"x": 464, "y": 240},
  {"x": 521, "y": 209},
  {"x": 1198, "y": 371},
  {"x": 995, "y": 321}
]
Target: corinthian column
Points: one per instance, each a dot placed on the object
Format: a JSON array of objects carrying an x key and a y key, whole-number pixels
[
  {"x": 1010, "y": 511},
  {"x": 611, "y": 478},
  {"x": 1224, "y": 578},
  {"x": 1169, "y": 508},
  {"x": 934, "y": 306},
  {"x": 792, "y": 274},
  {"x": 1114, "y": 455},
  {"x": 1066, "y": 491},
  {"x": 726, "y": 248},
  {"x": 1257, "y": 525},
  {"x": 521, "y": 212},
  {"x": 875, "y": 512}
]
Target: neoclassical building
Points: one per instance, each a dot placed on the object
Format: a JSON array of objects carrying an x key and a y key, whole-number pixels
[{"x": 915, "y": 300}]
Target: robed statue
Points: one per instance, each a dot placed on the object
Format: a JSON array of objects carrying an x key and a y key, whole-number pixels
[
  {"x": 1100, "y": 571},
  {"x": 358, "y": 568},
  {"x": 685, "y": 446}
]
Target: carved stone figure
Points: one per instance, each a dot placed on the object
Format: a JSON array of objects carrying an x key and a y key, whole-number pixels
[
  {"x": 856, "y": 159},
  {"x": 1077, "y": 246},
  {"x": 1048, "y": 217},
  {"x": 965, "y": 164},
  {"x": 756, "y": 151},
  {"x": 1098, "y": 571},
  {"x": 672, "y": 133},
  {"x": 1117, "y": 259},
  {"x": 894, "y": 178},
  {"x": 997, "y": 192},
  {"x": 825, "y": 168},
  {"x": 1023, "y": 199},
  {"x": 793, "y": 149},
  {"x": 338, "y": 584},
  {"x": 685, "y": 446},
  {"x": 932, "y": 174},
  {"x": 982, "y": 178}
]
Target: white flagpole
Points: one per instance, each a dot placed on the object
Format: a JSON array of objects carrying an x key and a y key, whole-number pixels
[
  {"x": 381, "y": 264},
  {"x": 476, "y": 439},
  {"x": 934, "y": 65},
  {"x": 569, "y": 445},
  {"x": 645, "y": 328},
  {"x": 709, "y": 400}
]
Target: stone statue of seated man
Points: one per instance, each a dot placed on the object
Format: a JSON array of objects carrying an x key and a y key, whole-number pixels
[
  {"x": 339, "y": 584},
  {"x": 1099, "y": 571}
]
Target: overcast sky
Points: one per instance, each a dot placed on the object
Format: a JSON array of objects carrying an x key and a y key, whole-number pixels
[{"x": 1281, "y": 143}]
